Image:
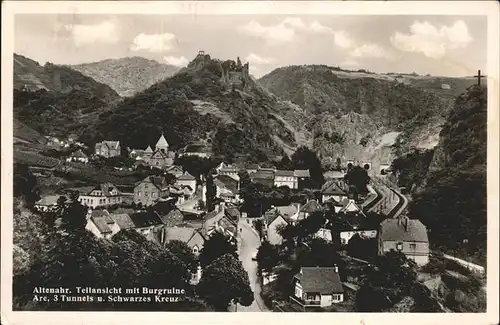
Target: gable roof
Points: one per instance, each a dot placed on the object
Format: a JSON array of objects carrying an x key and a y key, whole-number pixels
[
  {"x": 302, "y": 173},
  {"x": 105, "y": 188},
  {"x": 98, "y": 213},
  {"x": 159, "y": 182},
  {"x": 101, "y": 224},
  {"x": 123, "y": 220},
  {"x": 186, "y": 177},
  {"x": 162, "y": 142},
  {"x": 287, "y": 211},
  {"x": 262, "y": 174},
  {"x": 335, "y": 188},
  {"x": 191, "y": 236},
  {"x": 173, "y": 218},
  {"x": 333, "y": 174},
  {"x": 145, "y": 219},
  {"x": 48, "y": 200},
  {"x": 148, "y": 150},
  {"x": 320, "y": 279},
  {"x": 231, "y": 183},
  {"x": 109, "y": 144},
  {"x": 232, "y": 213},
  {"x": 271, "y": 215},
  {"x": 310, "y": 207},
  {"x": 395, "y": 230},
  {"x": 284, "y": 173}
]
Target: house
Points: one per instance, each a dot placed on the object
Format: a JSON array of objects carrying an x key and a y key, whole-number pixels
[
  {"x": 174, "y": 170},
  {"x": 47, "y": 203},
  {"x": 277, "y": 217},
  {"x": 233, "y": 214},
  {"x": 108, "y": 148},
  {"x": 346, "y": 206},
  {"x": 197, "y": 149},
  {"x": 303, "y": 177},
  {"x": 263, "y": 176},
  {"x": 161, "y": 156},
  {"x": 78, "y": 156},
  {"x": 107, "y": 225},
  {"x": 405, "y": 235},
  {"x": 445, "y": 86},
  {"x": 285, "y": 178},
  {"x": 317, "y": 287},
  {"x": 345, "y": 236},
  {"x": 229, "y": 182},
  {"x": 191, "y": 236},
  {"x": 186, "y": 179},
  {"x": 220, "y": 222},
  {"x": 325, "y": 234},
  {"x": 309, "y": 208},
  {"x": 150, "y": 189},
  {"x": 146, "y": 222},
  {"x": 168, "y": 212},
  {"x": 333, "y": 175},
  {"x": 228, "y": 170},
  {"x": 220, "y": 188},
  {"x": 103, "y": 195},
  {"x": 338, "y": 190}
]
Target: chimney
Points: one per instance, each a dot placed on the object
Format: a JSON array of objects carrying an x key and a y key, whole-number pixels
[
  {"x": 406, "y": 221},
  {"x": 335, "y": 267}
]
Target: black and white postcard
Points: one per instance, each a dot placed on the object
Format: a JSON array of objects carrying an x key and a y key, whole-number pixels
[{"x": 182, "y": 161}]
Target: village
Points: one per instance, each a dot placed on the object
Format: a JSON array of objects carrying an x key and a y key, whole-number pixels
[{"x": 340, "y": 227}]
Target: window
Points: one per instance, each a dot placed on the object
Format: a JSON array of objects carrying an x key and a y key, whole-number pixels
[
  {"x": 399, "y": 246},
  {"x": 153, "y": 195},
  {"x": 337, "y": 297},
  {"x": 145, "y": 186},
  {"x": 139, "y": 193},
  {"x": 413, "y": 246},
  {"x": 146, "y": 194},
  {"x": 298, "y": 292}
]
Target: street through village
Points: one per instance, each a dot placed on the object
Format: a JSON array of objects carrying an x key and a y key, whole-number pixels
[{"x": 248, "y": 245}]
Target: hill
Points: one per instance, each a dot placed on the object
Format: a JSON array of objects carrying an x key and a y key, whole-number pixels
[
  {"x": 127, "y": 76},
  {"x": 360, "y": 114},
  {"x": 56, "y": 100},
  {"x": 25, "y": 134},
  {"x": 30, "y": 75},
  {"x": 452, "y": 200},
  {"x": 210, "y": 101}
]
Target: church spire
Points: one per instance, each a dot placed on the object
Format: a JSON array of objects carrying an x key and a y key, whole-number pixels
[{"x": 162, "y": 143}]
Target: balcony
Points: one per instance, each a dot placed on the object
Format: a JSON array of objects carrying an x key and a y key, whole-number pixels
[{"x": 306, "y": 303}]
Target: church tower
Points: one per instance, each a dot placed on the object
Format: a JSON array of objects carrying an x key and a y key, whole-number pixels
[{"x": 162, "y": 144}]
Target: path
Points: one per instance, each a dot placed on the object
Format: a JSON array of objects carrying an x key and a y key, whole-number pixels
[{"x": 248, "y": 244}]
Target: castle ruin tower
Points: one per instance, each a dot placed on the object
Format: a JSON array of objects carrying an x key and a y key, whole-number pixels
[{"x": 162, "y": 144}]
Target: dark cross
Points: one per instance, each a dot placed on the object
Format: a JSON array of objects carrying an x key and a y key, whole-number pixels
[{"x": 479, "y": 76}]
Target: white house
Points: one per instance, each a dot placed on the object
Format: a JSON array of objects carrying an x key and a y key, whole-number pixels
[
  {"x": 405, "y": 235},
  {"x": 338, "y": 190},
  {"x": 317, "y": 287},
  {"x": 285, "y": 178},
  {"x": 47, "y": 203},
  {"x": 78, "y": 156},
  {"x": 102, "y": 195},
  {"x": 186, "y": 179}
]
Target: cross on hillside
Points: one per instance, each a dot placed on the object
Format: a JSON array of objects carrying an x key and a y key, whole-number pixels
[{"x": 479, "y": 76}]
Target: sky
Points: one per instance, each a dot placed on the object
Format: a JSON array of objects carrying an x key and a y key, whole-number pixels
[{"x": 438, "y": 45}]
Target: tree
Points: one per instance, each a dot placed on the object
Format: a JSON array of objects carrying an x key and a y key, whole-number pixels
[
  {"x": 304, "y": 158},
  {"x": 216, "y": 246},
  {"x": 259, "y": 226},
  {"x": 183, "y": 252},
  {"x": 392, "y": 278},
  {"x": 211, "y": 192},
  {"x": 338, "y": 163},
  {"x": 358, "y": 177},
  {"x": 285, "y": 163},
  {"x": 225, "y": 281},
  {"x": 25, "y": 184},
  {"x": 267, "y": 257}
]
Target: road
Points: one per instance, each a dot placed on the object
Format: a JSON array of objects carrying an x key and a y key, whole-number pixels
[{"x": 248, "y": 244}]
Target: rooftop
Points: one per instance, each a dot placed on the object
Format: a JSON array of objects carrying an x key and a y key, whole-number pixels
[
  {"x": 403, "y": 229},
  {"x": 310, "y": 207},
  {"x": 48, "y": 200},
  {"x": 324, "y": 280},
  {"x": 303, "y": 173},
  {"x": 285, "y": 173}
]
